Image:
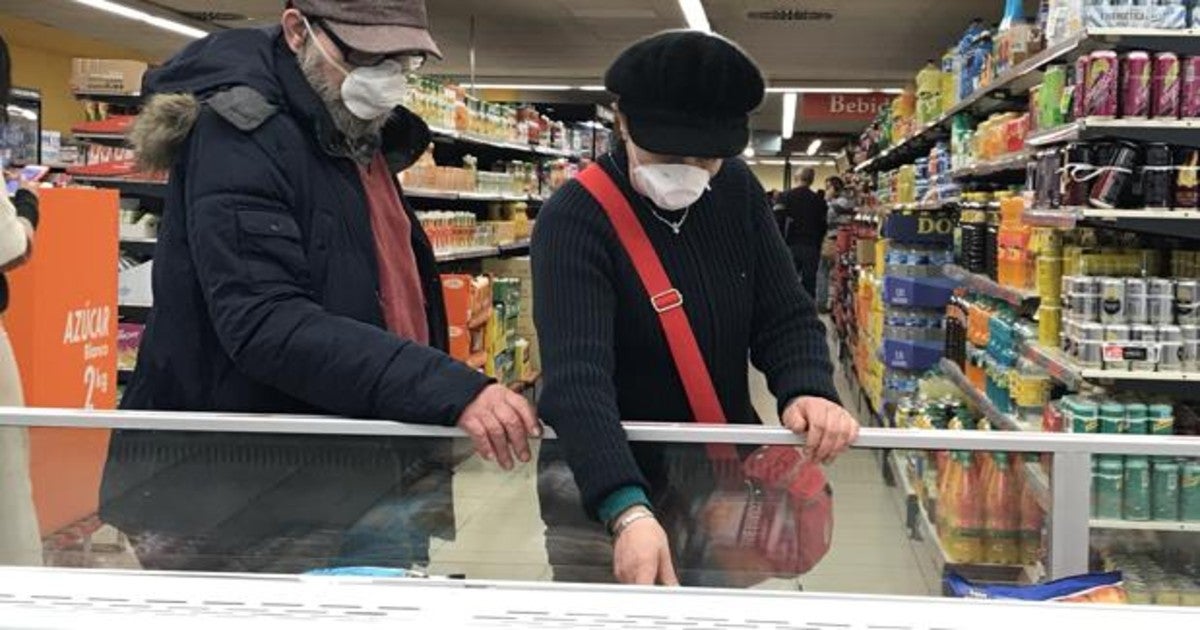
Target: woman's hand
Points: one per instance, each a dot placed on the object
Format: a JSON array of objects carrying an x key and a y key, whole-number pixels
[
  {"x": 829, "y": 427},
  {"x": 641, "y": 553}
]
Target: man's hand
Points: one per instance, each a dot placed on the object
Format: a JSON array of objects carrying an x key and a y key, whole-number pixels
[
  {"x": 641, "y": 554},
  {"x": 500, "y": 423},
  {"x": 830, "y": 428}
]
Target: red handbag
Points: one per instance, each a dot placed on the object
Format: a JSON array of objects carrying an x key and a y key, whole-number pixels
[{"x": 773, "y": 511}]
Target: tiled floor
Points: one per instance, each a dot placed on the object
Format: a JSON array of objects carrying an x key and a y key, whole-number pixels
[{"x": 500, "y": 536}]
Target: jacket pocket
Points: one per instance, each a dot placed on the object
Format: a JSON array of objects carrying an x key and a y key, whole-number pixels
[{"x": 271, "y": 245}]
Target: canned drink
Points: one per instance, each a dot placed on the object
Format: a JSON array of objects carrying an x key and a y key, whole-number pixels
[
  {"x": 1079, "y": 98},
  {"x": 1077, "y": 174},
  {"x": 1135, "y": 85},
  {"x": 1164, "y": 497},
  {"x": 1157, "y": 174},
  {"x": 1162, "y": 419},
  {"x": 1112, "y": 418},
  {"x": 1189, "y": 491},
  {"x": 1086, "y": 307},
  {"x": 1137, "y": 419},
  {"x": 1135, "y": 301},
  {"x": 1049, "y": 325},
  {"x": 1142, "y": 338},
  {"x": 1049, "y": 274},
  {"x": 1191, "y": 355},
  {"x": 1085, "y": 417},
  {"x": 1116, "y": 337},
  {"x": 1189, "y": 88},
  {"x": 1187, "y": 301},
  {"x": 1165, "y": 86},
  {"x": 1160, "y": 286},
  {"x": 1112, "y": 300},
  {"x": 1187, "y": 184},
  {"x": 1116, "y": 177},
  {"x": 1170, "y": 356},
  {"x": 1108, "y": 485},
  {"x": 1161, "y": 310},
  {"x": 1190, "y": 332},
  {"x": 1102, "y": 84},
  {"x": 1170, "y": 333},
  {"x": 1090, "y": 353},
  {"x": 1137, "y": 488}
]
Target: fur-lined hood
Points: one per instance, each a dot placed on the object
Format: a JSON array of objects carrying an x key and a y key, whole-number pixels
[{"x": 247, "y": 76}]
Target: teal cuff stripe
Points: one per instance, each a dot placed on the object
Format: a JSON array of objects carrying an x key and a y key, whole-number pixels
[{"x": 622, "y": 500}]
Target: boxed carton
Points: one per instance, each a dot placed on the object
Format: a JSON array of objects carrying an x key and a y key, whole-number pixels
[{"x": 107, "y": 76}]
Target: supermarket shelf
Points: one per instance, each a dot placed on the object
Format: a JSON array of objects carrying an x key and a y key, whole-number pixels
[
  {"x": 1007, "y": 165},
  {"x": 1055, "y": 363},
  {"x": 479, "y": 253},
  {"x": 919, "y": 523},
  {"x": 1142, "y": 130},
  {"x": 1124, "y": 375},
  {"x": 994, "y": 417},
  {"x": 530, "y": 149},
  {"x": 1146, "y": 526},
  {"x": 924, "y": 206},
  {"x": 1024, "y": 300},
  {"x": 111, "y": 139},
  {"x": 120, "y": 100},
  {"x": 1184, "y": 223},
  {"x": 1017, "y": 81},
  {"x": 128, "y": 187},
  {"x": 454, "y": 195}
]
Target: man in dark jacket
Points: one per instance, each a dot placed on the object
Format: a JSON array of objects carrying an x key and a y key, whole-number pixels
[
  {"x": 804, "y": 218},
  {"x": 290, "y": 278}
]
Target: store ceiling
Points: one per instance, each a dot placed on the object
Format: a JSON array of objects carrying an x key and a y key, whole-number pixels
[{"x": 863, "y": 43}]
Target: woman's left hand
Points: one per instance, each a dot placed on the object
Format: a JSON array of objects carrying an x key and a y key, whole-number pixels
[{"x": 829, "y": 427}]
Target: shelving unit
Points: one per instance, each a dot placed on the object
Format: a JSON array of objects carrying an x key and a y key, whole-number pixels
[
  {"x": 1006, "y": 165},
  {"x": 476, "y": 253},
  {"x": 1169, "y": 130},
  {"x": 998, "y": 420},
  {"x": 1018, "y": 80},
  {"x": 528, "y": 149},
  {"x": 451, "y": 195},
  {"x": 128, "y": 187},
  {"x": 1183, "y": 223}
]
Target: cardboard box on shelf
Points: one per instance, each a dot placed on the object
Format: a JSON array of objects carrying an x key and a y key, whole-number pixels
[
  {"x": 456, "y": 291},
  {"x": 107, "y": 76}
]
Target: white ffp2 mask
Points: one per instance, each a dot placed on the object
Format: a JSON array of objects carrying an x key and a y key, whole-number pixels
[
  {"x": 670, "y": 186},
  {"x": 369, "y": 92}
]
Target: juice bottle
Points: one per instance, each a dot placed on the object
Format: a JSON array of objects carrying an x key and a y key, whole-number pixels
[
  {"x": 964, "y": 538},
  {"x": 929, "y": 93},
  {"x": 1002, "y": 514},
  {"x": 1032, "y": 517}
]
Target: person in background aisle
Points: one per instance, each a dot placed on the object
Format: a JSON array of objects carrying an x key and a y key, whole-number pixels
[
  {"x": 290, "y": 277},
  {"x": 20, "y": 542},
  {"x": 683, "y": 99},
  {"x": 805, "y": 220},
  {"x": 841, "y": 208}
]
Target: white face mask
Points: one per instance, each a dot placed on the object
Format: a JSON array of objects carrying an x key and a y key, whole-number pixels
[
  {"x": 670, "y": 186},
  {"x": 370, "y": 92}
]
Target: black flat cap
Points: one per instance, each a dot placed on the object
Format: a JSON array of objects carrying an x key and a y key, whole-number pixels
[{"x": 687, "y": 93}]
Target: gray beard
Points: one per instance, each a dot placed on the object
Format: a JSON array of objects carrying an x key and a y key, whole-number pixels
[{"x": 361, "y": 136}]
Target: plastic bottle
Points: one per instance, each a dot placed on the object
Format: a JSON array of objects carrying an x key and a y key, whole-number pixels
[
  {"x": 929, "y": 93},
  {"x": 964, "y": 542},
  {"x": 1013, "y": 13},
  {"x": 1002, "y": 514},
  {"x": 1032, "y": 517}
]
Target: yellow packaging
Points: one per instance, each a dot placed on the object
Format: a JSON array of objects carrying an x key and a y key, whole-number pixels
[
  {"x": 1049, "y": 279},
  {"x": 1049, "y": 326}
]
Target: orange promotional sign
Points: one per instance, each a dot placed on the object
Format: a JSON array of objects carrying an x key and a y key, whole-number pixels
[
  {"x": 842, "y": 106},
  {"x": 62, "y": 320}
]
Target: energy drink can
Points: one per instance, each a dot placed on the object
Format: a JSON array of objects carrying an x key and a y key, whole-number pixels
[
  {"x": 1135, "y": 85},
  {"x": 1165, "y": 86},
  {"x": 1189, "y": 88},
  {"x": 1077, "y": 172},
  {"x": 1112, "y": 300},
  {"x": 1157, "y": 176},
  {"x": 1102, "y": 83},
  {"x": 1135, "y": 301},
  {"x": 1079, "y": 97},
  {"x": 1187, "y": 181},
  {"x": 1113, "y": 183}
]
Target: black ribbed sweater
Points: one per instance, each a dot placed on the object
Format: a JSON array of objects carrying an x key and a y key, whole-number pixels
[{"x": 604, "y": 356}]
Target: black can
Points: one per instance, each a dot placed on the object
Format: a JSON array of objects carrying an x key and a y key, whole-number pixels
[
  {"x": 1158, "y": 175},
  {"x": 1113, "y": 183},
  {"x": 1078, "y": 168},
  {"x": 1187, "y": 179},
  {"x": 1048, "y": 193}
]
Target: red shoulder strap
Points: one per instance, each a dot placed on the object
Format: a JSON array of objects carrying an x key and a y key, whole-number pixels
[{"x": 665, "y": 299}]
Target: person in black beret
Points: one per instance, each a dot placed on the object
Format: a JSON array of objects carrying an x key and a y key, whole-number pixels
[{"x": 683, "y": 101}]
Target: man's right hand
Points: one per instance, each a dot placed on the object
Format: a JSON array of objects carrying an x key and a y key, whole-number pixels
[
  {"x": 500, "y": 423},
  {"x": 642, "y": 555}
]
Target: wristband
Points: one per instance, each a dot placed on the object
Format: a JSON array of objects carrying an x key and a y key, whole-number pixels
[{"x": 629, "y": 519}]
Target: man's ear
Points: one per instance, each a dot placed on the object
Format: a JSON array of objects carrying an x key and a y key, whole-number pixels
[{"x": 294, "y": 29}]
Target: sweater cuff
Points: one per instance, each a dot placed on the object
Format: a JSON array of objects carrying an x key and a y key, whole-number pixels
[
  {"x": 621, "y": 500},
  {"x": 26, "y": 204}
]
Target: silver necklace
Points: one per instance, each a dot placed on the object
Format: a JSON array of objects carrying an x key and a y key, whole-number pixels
[{"x": 675, "y": 226}]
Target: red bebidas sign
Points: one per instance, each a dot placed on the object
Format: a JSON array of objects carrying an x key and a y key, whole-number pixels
[{"x": 839, "y": 106}]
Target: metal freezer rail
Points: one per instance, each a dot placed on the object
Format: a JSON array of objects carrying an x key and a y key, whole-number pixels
[{"x": 66, "y": 599}]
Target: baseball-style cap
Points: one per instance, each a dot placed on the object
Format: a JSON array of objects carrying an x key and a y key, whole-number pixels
[
  {"x": 687, "y": 93},
  {"x": 375, "y": 26}
]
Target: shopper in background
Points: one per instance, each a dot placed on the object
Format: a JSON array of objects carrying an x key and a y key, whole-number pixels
[
  {"x": 805, "y": 221},
  {"x": 841, "y": 208},
  {"x": 683, "y": 104},
  {"x": 290, "y": 277},
  {"x": 20, "y": 542}
]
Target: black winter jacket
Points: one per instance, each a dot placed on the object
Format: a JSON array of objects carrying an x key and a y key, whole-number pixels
[{"x": 267, "y": 300}]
